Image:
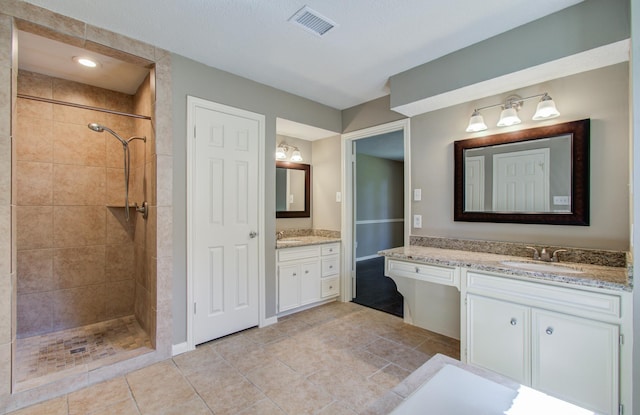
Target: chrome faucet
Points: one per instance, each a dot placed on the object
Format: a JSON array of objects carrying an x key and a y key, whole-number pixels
[
  {"x": 544, "y": 255},
  {"x": 279, "y": 235}
]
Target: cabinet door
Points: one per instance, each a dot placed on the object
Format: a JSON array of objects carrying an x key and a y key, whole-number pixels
[
  {"x": 576, "y": 360},
  {"x": 288, "y": 286},
  {"x": 310, "y": 282},
  {"x": 498, "y": 337}
]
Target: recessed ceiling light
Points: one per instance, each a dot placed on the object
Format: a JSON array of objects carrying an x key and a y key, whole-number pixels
[{"x": 88, "y": 62}]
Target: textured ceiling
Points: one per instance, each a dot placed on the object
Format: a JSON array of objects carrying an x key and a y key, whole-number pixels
[{"x": 350, "y": 65}]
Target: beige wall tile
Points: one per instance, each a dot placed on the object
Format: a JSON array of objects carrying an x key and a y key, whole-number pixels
[
  {"x": 77, "y": 93},
  {"x": 5, "y": 308},
  {"x": 120, "y": 42},
  {"x": 5, "y": 101},
  {"x": 119, "y": 298},
  {"x": 80, "y": 266},
  {"x": 34, "y": 109},
  {"x": 5, "y": 369},
  {"x": 6, "y": 34},
  {"x": 5, "y": 240},
  {"x": 5, "y": 170},
  {"x": 57, "y": 22},
  {"x": 34, "y": 84},
  {"x": 77, "y": 144},
  {"x": 78, "y": 185},
  {"x": 115, "y": 188},
  {"x": 79, "y": 226},
  {"x": 35, "y": 183},
  {"x": 120, "y": 262},
  {"x": 34, "y": 227},
  {"x": 78, "y": 306},
  {"x": 35, "y": 314},
  {"x": 34, "y": 139},
  {"x": 119, "y": 231},
  {"x": 71, "y": 115},
  {"x": 136, "y": 185},
  {"x": 118, "y": 101},
  {"x": 35, "y": 271},
  {"x": 99, "y": 397},
  {"x": 165, "y": 180},
  {"x": 165, "y": 232},
  {"x": 140, "y": 274},
  {"x": 115, "y": 154}
]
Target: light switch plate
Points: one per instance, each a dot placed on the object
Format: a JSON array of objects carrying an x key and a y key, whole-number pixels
[
  {"x": 417, "y": 221},
  {"x": 338, "y": 197},
  {"x": 561, "y": 200},
  {"x": 417, "y": 195}
]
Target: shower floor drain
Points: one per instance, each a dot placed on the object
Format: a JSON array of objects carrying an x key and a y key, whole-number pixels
[{"x": 78, "y": 350}]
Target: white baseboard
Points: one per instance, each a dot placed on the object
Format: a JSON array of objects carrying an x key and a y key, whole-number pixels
[
  {"x": 179, "y": 348},
  {"x": 269, "y": 321}
]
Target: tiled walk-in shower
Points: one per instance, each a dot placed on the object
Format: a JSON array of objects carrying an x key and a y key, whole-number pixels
[{"x": 86, "y": 280}]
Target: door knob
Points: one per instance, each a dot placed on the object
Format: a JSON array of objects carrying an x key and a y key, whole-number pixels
[{"x": 253, "y": 234}]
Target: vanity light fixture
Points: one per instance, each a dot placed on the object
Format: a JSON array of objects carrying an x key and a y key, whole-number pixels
[
  {"x": 509, "y": 116},
  {"x": 283, "y": 149},
  {"x": 84, "y": 61}
]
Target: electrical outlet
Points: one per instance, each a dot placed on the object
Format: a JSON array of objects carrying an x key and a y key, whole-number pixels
[
  {"x": 417, "y": 195},
  {"x": 417, "y": 221}
]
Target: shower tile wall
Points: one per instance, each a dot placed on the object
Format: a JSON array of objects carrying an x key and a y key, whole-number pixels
[{"x": 76, "y": 257}]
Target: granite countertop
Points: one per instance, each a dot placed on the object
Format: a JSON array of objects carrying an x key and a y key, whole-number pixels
[
  {"x": 615, "y": 278},
  {"x": 294, "y": 241}
]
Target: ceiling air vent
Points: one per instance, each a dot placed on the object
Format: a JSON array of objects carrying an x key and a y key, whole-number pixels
[{"x": 312, "y": 21}]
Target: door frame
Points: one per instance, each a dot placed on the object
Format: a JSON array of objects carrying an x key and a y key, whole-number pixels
[
  {"x": 348, "y": 220},
  {"x": 192, "y": 104}
]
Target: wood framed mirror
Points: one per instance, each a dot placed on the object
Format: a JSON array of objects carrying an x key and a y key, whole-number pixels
[
  {"x": 293, "y": 190},
  {"x": 538, "y": 175}
]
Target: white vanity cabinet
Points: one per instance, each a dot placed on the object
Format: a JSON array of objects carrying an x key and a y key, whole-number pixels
[
  {"x": 307, "y": 274},
  {"x": 561, "y": 341}
]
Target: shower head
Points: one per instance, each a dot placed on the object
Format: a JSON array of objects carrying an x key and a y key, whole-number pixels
[
  {"x": 96, "y": 127},
  {"x": 100, "y": 128}
]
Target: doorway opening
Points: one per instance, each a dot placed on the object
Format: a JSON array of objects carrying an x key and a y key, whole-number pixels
[
  {"x": 379, "y": 221},
  {"x": 376, "y": 206}
]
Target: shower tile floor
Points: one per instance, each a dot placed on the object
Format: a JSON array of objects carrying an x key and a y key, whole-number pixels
[{"x": 45, "y": 358}]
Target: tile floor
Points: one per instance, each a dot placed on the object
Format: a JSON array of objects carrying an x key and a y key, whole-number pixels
[
  {"x": 39, "y": 359},
  {"x": 340, "y": 358}
]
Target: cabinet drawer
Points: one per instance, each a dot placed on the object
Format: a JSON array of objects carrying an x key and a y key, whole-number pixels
[
  {"x": 330, "y": 249},
  {"x": 330, "y": 287},
  {"x": 292, "y": 254},
  {"x": 429, "y": 273},
  {"x": 568, "y": 300},
  {"x": 330, "y": 265}
]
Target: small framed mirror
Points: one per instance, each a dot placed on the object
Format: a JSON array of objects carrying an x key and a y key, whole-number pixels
[
  {"x": 539, "y": 175},
  {"x": 293, "y": 190}
]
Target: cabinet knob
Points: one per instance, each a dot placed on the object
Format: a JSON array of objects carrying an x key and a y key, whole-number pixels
[
  {"x": 294, "y": 274},
  {"x": 549, "y": 331},
  {"x": 513, "y": 322},
  {"x": 306, "y": 271},
  {"x": 330, "y": 249},
  {"x": 417, "y": 270},
  {"x": 331, "y": 287},
  {"x": 330, "y": 266}
]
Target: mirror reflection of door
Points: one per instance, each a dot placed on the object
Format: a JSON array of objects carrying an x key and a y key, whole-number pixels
[
  {"x": 474, "y": 184},
  {"x": 295, "y": 190},
  {"x": 521, "y": 181}
]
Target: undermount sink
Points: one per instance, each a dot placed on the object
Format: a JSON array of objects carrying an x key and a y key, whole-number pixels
[{"x": 542, "y": 267}]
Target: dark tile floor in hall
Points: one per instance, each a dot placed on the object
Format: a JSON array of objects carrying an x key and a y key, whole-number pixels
[
  {"x": 375, "y": 290},
  {"x": 339, "y": 358}
]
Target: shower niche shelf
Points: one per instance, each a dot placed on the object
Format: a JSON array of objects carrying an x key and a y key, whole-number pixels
[{"x": 143, "y": 208}]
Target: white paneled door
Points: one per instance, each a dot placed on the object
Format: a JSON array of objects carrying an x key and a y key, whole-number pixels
[{"x": 224, "y": 219}]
